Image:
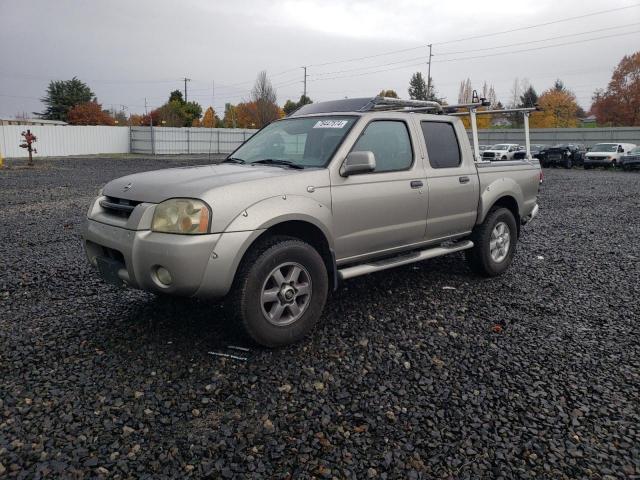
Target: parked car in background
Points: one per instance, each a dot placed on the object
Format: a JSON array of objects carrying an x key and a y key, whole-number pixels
[
  {"x": 631, "y": 159},
  {"x": 500, "y": 151},
  {"x": 536, "y": 148},
  {"x": 606, "y": 154},
  {"x": 564, "y": 155}
]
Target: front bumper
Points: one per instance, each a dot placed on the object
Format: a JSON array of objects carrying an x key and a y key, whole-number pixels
[
  {"x": 199, "y": 265},
  {"x": 591, "y": 162},
  {"x": 635, "y": 163}
]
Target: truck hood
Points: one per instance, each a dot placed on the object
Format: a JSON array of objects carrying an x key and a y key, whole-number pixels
[{"x": 192, "y": 182}]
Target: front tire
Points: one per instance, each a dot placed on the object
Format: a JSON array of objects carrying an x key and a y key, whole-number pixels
[
  {"x": 494, "y": 243},
  {"x": 279, "y": 291},
  {"x": 568, "y": 164}
]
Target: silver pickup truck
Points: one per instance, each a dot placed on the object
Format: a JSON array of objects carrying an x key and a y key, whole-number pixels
[{"x": 336, "y": 190}]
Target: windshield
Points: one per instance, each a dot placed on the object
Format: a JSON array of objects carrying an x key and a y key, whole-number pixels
[
  {"x": 605, "y": 147},
  {"x": 536, "y": 146},
  {"x": 634, "y": 151},
  {"x": 306, "y": 142},
  {"x": 500, "y": 146}
]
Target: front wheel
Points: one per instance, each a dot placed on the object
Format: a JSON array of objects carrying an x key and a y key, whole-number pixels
[
  {"x": 280, "y": 290},
  {"x": 494, "y": 243},
  {"x": 568, "y": 163}
]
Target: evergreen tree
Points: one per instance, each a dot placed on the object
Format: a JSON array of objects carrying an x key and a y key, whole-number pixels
[
  {"x": 62, "y": 96},
  {"x": 417, "y": 87}
]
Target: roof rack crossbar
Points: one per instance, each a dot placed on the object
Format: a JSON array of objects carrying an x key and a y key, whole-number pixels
[
  {"x": 494, "y": 112},
  {"x": 378, "y": 102}
]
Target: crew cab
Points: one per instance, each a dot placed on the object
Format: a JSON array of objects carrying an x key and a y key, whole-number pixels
[
  {"x": 501, "y": 151},
  {"x": 336, "y": 190},
  {"x": 606, "y": 154}
]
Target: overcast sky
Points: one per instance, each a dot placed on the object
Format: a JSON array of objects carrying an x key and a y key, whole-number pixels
[{"x": 129, "y": 50}]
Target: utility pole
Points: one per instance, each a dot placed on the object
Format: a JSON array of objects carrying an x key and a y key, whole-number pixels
[
  {"x": 305, "y": 82},
  {"x": 185, "y": 88},
  {"x": 429, "y": 75}
]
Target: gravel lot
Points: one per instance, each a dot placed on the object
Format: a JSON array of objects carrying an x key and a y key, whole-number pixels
[{"x": 420, "y": 372}]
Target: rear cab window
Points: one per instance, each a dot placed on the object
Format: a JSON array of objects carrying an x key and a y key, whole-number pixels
[{"x": 443, "y": 148}]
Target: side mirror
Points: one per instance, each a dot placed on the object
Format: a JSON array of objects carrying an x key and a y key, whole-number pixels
[
  {"x": 620, "y": 150},
  {"x": 358, "y": 162}
]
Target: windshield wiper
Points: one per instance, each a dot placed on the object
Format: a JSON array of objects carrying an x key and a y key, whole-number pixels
[
  {"x": 233, "y": 160},
  {"x": 274, "y": 161}
]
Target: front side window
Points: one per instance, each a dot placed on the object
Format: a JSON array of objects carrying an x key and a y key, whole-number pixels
[
  {"x": 306, "y": 142},
  {"x": 442, "y": 144},
  {"x": 390, "y": 143}
]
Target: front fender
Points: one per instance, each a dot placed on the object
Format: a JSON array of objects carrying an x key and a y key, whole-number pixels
[
  {"x": 274, "y": 210},
  {"x": 501, "y": 187}
]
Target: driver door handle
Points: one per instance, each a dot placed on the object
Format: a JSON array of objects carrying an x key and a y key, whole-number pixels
[
  {"x": 416, "y": 184},
  {"x": 464, "y": 179}
]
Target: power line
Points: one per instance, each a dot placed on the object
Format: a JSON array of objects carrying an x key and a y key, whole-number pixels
[
  {"x": 392, "y": 52},
  {"x": 537, "y": 48},
  {"x": 615, "y": 27},
  {"x": 519, "y": 29}
]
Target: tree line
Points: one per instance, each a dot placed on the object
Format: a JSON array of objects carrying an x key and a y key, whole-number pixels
[{"x": 618, "y": 104}]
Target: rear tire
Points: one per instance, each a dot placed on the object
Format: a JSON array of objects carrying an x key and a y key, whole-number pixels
[
  {"x": 494, "y": 243},
  {"x": 279, "y": 291}
]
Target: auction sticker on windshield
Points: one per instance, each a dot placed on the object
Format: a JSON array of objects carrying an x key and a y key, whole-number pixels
[{"x": 331, "y": 124}]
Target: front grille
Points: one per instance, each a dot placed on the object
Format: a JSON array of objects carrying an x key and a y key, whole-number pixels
[
  {"x": 120, "y": 207},
  {"x": 596, "y": 158},
  {"x": 488, "y": 155},
  {"x": 554, "y": 156}
]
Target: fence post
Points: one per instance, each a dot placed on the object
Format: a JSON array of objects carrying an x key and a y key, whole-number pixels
[
  {"x": 218, "y": 140},
  {"x": 188, "y": 140},
  {"x": 153, "y": 142}
]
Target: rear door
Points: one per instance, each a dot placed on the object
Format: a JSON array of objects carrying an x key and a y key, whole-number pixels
[{"x": 452, "y": 180}]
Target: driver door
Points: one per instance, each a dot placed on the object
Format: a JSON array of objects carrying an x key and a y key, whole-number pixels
[{"x": 386, "y": 208}]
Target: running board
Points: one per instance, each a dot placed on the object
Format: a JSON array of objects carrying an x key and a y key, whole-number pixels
[{"x": 378, "y": 266}]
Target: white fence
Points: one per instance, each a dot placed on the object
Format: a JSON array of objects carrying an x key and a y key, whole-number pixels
[
  {"x": 55, "y": 140},
  {"x": 88, "y": 140},
  {"x": 169, "y": 140},
  {"x": 552, "y": 136}
]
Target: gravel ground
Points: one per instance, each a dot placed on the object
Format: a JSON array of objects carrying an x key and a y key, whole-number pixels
[{"x": 420, "y": 372}]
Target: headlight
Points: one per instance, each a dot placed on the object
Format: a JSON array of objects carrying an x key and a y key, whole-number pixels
[{"x": 181, "y": 215}]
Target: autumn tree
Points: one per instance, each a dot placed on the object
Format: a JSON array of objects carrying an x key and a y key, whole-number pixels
[
  {"x": 89, "y": 113},
  {"x": 209, "y": 119},
  {"x": 62, "y": 95},
  {"x": 388, "y": 94},
  {"x": 619, "y": 104},
  {"x": 558, "y": 109},
  {"x": 264, "y": 98},
  {"x": 136, "y": 120},
  {"x": 247, "y": 115}
]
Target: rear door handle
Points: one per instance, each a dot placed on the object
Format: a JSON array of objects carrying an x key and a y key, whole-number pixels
[
  {"x": 416, "y": 184},
  {"x": 463, "y": 179}
]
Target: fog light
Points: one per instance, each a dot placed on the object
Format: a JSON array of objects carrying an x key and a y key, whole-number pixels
[{"x": 163, "y": 275}]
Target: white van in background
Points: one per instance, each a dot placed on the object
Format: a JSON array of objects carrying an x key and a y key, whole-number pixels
[{"x": 606, "y": 154}]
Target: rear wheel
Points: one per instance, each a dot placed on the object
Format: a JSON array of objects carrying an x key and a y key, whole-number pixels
[
  {"x": 494, "y": 243},
  {"x": 279, "y": 291}
]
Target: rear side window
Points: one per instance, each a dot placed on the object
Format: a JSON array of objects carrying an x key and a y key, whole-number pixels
[
  {"x": 390, "y": 143},
  {"x": 442, "y": 144}
]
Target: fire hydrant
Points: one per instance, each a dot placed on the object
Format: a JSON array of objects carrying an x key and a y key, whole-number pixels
[{"x": 29, "y": 140}]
